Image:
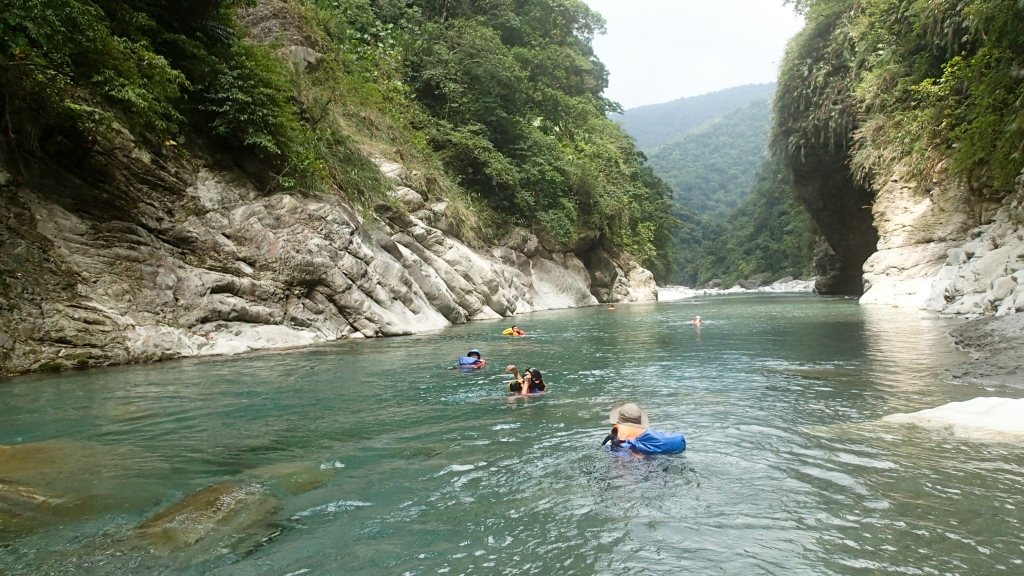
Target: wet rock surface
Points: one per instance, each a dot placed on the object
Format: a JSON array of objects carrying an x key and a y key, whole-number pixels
[
  {"x": 23, "y": 508},
  {"x": 50, "y": 482},
  {"x": 997, "y": 349},
  {"x": 232, "y": 516}
]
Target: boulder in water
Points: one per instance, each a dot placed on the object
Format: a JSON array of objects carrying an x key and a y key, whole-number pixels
[
  {"x": 752, "y": 283},
  {"x": 232, "y": 515},
  {"x": 294, "y": 478},
  {"x": 984, "y": 418},
  {"x": 23, "y": 509}
]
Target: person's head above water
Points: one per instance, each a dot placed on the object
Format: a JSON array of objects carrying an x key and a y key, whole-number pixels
[
  {"x": 533, "y": 374},
  {"x": 474, "y": 353},
  {"x": 629, "y": 414}
]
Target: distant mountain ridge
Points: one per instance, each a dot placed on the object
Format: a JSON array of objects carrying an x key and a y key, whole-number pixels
[
  {"x": 714, "y": 166},
  {"x": 657, "y": 124}
]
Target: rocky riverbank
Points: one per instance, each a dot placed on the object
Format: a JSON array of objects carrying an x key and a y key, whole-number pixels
[
  {"x": 167, "y": 257},
  {"x": 941, "y": 250},
  {"x": 996, "y": 345},
  {"x": 670, "y": 293}
]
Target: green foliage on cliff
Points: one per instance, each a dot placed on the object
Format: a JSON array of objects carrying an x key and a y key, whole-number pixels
[
  {"x": 768, "y": 233},
  {"x": 923, "y": 86},
  {"x": 713, "y": 167},
  {"x": 497, "y": 106}
]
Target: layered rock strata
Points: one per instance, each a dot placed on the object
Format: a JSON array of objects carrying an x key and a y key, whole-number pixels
[
  {"x": 940, "y": 251},
  {"x": 163, "y": 259}
]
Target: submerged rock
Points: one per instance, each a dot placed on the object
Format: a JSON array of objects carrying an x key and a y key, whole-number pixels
[
  {"x": 49, "y": 482},
  {"x": 233, "y": 516},
  {"x": 23, "y": 509},
  {"x": 294, "y": 478}
]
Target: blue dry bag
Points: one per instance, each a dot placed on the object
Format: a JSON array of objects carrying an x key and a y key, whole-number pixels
[
  {"x": 654, "y": 442},
  {"x": 467, "y": 361}
]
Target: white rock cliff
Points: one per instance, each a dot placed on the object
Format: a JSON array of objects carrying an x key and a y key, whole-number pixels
[
  {"x": 941, "y": 252},
  {"x": 229, "y": 270}
]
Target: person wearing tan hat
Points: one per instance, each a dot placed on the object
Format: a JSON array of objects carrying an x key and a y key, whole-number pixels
[
  {"x": 631, "y": 431},
  {"x": 628, "y": 421}
]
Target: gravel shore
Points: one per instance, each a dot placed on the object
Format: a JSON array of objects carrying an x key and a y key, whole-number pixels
[{"x": 996, "y": 345}]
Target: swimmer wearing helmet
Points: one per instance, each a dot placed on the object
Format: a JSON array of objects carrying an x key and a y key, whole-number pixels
[{"x": 531, "y": 382}]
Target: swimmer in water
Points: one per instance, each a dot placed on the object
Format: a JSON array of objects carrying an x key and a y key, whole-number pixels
[
  {"x": 480, "y": 362},
  {"x": 695, "y": 321},
  {"x": 531, "y": 382},
  {"x": 611, "y": 307}
]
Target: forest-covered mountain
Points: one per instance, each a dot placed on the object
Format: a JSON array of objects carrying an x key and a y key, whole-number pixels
[
  {"x": 737, "y": 211},
  {"x": 713, "y": 167},
  {"x": 496, "y": 107},
  {"x": 768, "y": 234},
  {"x": 657, "y": 124}
]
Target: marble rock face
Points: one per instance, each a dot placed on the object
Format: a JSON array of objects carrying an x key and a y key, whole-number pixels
[
  {"x": 939, "y": 252},
  {"x": 202, "y": 263},
  {"x": 140, "y": 254}
]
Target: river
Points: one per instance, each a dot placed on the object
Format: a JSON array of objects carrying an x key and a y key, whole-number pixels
[{"x": 371, "y": 458}]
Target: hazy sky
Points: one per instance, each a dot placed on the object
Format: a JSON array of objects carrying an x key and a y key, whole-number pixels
[{"x": 660, "y": 50}]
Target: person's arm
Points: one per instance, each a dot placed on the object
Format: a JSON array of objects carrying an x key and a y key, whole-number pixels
[{"x": 511, "y": 368}]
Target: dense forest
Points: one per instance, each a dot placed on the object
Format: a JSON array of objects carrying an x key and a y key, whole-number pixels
[
  {"x": 768, "y": 235},
  {"x": 923, "y": 87},
  {"x": 496, "y": 106},
  {"x": 737, "y": 212},
  {"x": 715, "y": 166}
]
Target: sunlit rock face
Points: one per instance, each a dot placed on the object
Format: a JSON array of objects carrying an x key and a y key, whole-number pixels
[
  {"x": 986, "y": 418},
  {"x": 165, "y": 259},
  {"x": 940, "y": 250},
  {"x": 917, "y": 227}
]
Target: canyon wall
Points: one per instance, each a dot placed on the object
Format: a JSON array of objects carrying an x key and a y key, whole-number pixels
[
  {"x": 941, "y": 250},
  {"x": 156, "y": 255}
]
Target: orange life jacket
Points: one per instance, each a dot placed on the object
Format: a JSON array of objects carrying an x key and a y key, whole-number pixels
[{"x": 627, "y": 432}]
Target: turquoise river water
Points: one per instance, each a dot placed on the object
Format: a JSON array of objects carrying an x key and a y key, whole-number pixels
[{"x": 369, "y": 457}]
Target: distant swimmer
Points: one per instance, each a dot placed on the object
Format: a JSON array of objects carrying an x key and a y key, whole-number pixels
[
  {"x": 513, "y": 331},
  {"x": 611, "y": 308},
  {"x": 472, "y": 360},
  {"x": 531, "y": 382},
  {"x": 696, "y": 321}
]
